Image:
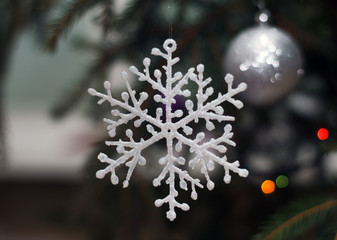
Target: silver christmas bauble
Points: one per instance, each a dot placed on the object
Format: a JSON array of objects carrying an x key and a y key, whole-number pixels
[{"x": 268, "y": 60}]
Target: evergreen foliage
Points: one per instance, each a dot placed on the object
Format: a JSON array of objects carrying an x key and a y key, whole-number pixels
[
  {"x": 69, "y": 13},
  {"x": 300, "y": 217}
]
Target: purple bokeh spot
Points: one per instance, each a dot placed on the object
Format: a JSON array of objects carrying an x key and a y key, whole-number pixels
[{"x": 178, "y": 105}]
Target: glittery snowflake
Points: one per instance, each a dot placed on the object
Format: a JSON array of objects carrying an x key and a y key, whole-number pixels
[{"x": 172, "y": 125}]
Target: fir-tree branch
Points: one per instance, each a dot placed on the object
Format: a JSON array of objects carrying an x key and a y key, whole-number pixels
[
  {"x": 67, "y": 15},
  {"x": 133, "y": 11},
  {"x": 299, "y": 223},
  {"x": 107, "y": 17}
]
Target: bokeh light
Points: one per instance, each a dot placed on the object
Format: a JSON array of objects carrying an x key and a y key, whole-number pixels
[
  {"x": 322, "y": 133},
  {"x": 282, "y": 181},
  {"x": 268, "y": 187}
]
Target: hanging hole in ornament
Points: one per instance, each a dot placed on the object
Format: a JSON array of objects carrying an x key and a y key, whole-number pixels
[{"x": 170, "y": 45}]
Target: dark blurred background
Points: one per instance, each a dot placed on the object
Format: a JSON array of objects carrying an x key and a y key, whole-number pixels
[{"x": 52, "y": 51}]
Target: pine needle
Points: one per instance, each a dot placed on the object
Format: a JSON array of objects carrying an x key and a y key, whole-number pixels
[
  {"x": 67, "y": 15},
  {"x": 300, "y": 222}
]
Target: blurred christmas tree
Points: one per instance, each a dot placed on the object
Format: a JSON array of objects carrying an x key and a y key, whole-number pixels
[
  {"x": 273, "y": 139},
  {"x": 278, "y": 138}
]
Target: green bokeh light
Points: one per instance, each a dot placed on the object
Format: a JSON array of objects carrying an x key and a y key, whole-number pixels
[{"x": 282, "y": 181}]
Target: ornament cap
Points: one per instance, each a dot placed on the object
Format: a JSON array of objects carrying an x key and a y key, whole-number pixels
[{"x": 263, "y": 16}]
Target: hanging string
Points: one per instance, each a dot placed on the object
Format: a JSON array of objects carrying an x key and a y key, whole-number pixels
[{"x": 170, "y": 18}]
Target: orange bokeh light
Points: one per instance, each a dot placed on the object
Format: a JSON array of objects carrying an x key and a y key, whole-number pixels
[
  {"x": 268, "y": 187},
  {"x": 322, "y": 134}
]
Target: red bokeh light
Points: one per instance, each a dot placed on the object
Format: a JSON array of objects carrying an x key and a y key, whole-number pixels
[{"x": 322, "y": 134}]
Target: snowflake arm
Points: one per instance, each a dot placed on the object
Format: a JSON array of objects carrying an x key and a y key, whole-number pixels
[
  {"x": 171, "y": 170},
  {"x": 211, "y": 110},
  {"x": 176, "y": 133},
  {"x": 134, "y": 111},
  {"x": 134, "y": 154}
]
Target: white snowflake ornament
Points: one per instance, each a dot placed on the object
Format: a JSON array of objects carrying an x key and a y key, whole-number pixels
[{"x": 177, "y": 133}]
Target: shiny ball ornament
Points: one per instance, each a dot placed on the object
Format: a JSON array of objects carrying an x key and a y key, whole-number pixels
[{"x": 267, "y": 59}]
